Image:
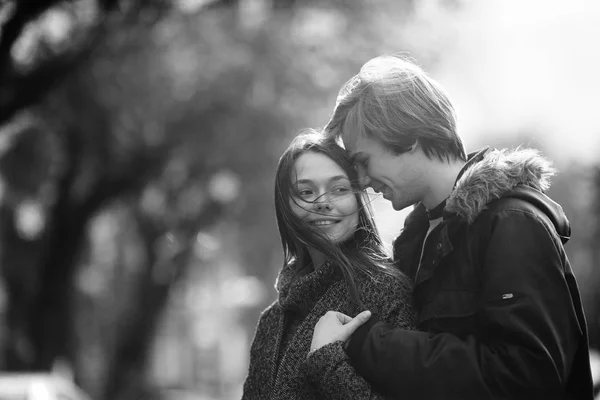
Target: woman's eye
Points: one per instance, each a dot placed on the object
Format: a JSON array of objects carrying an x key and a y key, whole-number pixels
[
  {"x": 304, "y": 193},
  {"x": 342, "y": 189}
]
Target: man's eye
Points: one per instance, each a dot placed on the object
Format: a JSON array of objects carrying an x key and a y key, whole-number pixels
[{"x": 363, "y": 163}]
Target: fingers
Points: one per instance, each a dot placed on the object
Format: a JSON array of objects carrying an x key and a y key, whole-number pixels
[
  {"x": 356, "y": 322},
  {"x": 334, "y": 326},
  {"x": 343, "y": 318}
]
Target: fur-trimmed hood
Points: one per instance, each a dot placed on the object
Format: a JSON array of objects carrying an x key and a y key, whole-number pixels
[{"x": 491, "y": 174}]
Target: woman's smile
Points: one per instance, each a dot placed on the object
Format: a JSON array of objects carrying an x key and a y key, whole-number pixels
[{"x": 325, "y": 221}]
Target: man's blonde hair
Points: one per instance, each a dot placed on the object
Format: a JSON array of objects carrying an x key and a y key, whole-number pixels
[{"x": 394, "y": 101}]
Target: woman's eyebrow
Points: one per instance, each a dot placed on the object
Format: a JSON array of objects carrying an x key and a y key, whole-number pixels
[
  {"x": 332, "y": 179},
  {"x": 339, "y": 178}
]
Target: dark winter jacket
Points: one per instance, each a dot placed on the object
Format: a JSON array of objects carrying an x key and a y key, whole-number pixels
[
  {"x": 499, "y": 314},
  {"x": 280, "y": 369}
]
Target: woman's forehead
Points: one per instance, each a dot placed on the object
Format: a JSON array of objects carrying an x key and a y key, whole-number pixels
[{"x": 316, "y": 167}]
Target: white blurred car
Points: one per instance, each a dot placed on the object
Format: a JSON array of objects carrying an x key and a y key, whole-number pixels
[{"x": 38, "y": 386}]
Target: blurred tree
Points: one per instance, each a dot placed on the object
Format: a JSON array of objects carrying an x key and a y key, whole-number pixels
[
  {"x": 69, "y": 157},
  {"x": 41, "y": 44},
  {"x": 43, "y": 41}
]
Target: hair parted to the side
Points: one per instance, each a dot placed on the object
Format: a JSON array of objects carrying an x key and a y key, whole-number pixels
[
  {"x": 395, "y": 102},
  {"x": 363, "y": 253}
]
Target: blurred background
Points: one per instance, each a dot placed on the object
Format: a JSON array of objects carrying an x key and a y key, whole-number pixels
[{"x": 139, "y": 140}]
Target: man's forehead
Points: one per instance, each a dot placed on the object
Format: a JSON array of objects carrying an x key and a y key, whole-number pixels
[
  {"x": 356, "y": 146},
  {"x": 351, "y": 132}
]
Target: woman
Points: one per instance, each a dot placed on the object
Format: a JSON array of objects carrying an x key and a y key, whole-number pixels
[{"x": 333, "y": 260}]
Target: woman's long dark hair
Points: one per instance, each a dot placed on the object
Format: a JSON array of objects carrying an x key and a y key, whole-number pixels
[{"x": 363, "y": 253}]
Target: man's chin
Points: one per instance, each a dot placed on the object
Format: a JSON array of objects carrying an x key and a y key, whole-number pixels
[
  {"x": 398, "y": 206},
  {"x": 395, "y": 205}
]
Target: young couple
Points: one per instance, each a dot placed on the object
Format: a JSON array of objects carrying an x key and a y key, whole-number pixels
[{"x": 479, "y": 300}]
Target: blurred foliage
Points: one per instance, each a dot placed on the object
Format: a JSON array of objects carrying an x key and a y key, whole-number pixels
[{"x": 138, "y": 145}]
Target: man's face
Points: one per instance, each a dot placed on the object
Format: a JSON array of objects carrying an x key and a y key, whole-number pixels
[{"x": 399, "y": 177}]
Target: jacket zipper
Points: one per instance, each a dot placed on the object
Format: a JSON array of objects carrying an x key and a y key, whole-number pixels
[{"x": 428, "y": 235}]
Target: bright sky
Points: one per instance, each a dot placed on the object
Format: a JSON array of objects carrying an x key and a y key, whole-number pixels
[
  {"x": 514, "y": 67},
  {"x": 529, "y": 65}
]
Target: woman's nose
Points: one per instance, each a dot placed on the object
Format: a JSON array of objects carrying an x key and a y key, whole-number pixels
[{"x": 322, "y": 205}]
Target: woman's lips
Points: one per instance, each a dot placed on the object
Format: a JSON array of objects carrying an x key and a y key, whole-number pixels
[{"x": 324, "y": 222}]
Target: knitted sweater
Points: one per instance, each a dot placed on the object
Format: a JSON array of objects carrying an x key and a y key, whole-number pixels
[{"x": 279, "y": 366}]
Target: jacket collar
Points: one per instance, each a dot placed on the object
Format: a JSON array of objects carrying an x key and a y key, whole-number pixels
[
  {"x": 301, "y": 294},
  {"x": 490, "y": 173},
  {"x": 438, "y": 211}
]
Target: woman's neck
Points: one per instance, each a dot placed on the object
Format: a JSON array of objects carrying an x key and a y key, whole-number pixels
[{"x": 317, "y": 258}]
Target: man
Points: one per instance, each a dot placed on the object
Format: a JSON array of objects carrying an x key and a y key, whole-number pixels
[{"x": 499, "y": 311}]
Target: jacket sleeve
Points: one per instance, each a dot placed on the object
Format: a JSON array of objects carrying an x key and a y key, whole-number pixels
[
  {"x": 256, "y": 384},
  {"x": 329, "y": 369},
  {"x": 528, "y": 328}
]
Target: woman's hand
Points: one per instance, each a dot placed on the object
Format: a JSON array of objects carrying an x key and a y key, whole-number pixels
[{"x": 334, "y": 326}]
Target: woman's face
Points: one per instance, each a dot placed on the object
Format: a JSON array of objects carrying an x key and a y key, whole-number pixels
[{"x": 323, "y": 197}]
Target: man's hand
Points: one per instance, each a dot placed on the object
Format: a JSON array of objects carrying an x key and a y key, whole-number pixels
[{"x": 335, "y": 326}]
